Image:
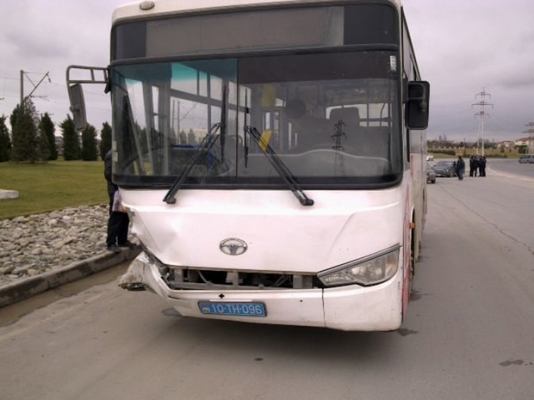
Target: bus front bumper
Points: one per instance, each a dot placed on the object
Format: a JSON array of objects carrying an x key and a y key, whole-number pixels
[{"x": 349, "y": 308}]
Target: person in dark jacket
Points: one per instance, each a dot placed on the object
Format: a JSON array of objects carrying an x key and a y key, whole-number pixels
[
  {"x": 460, "y": 168},
  {"x": 118, "y": 221},
  {"x": 473, "y": 165},
  {"x": 482, "y": 166}
]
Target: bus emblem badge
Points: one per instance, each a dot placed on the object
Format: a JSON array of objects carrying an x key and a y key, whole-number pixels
[{"x": 233, "y": 246}]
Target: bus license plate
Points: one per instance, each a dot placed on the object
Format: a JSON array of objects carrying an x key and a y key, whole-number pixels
[{"x": 238, "y": 309}]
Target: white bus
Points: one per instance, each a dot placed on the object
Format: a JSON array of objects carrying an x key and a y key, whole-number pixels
[{"x": 271, "y": 157}]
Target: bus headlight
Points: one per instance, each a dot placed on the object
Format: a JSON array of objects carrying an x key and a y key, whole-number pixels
[{"x": 371, "y": 270}]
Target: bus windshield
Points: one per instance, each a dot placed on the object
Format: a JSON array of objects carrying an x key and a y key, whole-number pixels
[{"x": 332, "y": 119}]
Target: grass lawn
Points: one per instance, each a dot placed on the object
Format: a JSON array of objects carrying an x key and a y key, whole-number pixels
[
  {"x": 52, "y": 186},
  {"x": 490, "y": 153}
]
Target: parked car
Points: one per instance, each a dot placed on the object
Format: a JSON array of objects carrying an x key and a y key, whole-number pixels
[
  {"x": 526, "y": 159},
  {"x": 430, "y": 174},
  {"x": 445, "y": 168},
  {"x": 430, "y": 157}
]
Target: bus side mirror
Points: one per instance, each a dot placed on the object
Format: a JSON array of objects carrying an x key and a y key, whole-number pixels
[
  {"x": 77, "y": 106},
  {"x": 417, "y": 109}
]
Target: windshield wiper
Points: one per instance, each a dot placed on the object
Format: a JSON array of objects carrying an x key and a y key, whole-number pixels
[
  {"x": 205, "y": 146},
  {"x": 280, "y": 167},
  {"x": 224, "y": 103}
]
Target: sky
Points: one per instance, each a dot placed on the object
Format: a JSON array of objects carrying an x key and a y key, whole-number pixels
[{"x": 463, "y": 47}]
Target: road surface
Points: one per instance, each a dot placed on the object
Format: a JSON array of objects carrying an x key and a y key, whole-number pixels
[{"x": 469, "y": 332}]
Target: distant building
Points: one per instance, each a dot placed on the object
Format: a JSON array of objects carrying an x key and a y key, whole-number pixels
[
  {"x": 528, "y": 141},
  {"x": 506, "y": 145}
]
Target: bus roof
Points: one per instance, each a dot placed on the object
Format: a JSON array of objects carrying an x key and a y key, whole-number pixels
[{"x": 161, "y": 7}]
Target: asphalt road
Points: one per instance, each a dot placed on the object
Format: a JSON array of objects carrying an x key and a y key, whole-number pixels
[
  {"x": 512, "y": 168},
  {"x": 469, "y": 332}
]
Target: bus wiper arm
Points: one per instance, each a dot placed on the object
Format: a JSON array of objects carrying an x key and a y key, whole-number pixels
[
  {"x": 280, "y": 167},
  {"x": 206, "y": 144}
]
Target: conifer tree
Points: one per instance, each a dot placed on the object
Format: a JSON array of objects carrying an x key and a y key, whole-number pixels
[
  {"x": 43, "y": 146},
  {"x": 105, "y": 140},
  {"x": 5, "y": 141},
  {"x": 25, "y": 135},
  {"x": 71, "y": 141},
  {"x": 89, "y": 150},
  {"x": 47, "y": 127}
]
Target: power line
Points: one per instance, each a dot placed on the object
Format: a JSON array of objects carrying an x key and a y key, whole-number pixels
[
  {"x": 35, "y": 86},
  {"x": 482, "y": 103}
]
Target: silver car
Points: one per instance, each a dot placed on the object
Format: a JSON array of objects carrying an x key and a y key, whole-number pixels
[
  {"x": 526, "y": 159},
  {"x": 445, "y": 168}
]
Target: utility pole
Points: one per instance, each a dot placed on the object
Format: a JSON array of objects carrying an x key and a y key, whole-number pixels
[
  {"x": 530, "y": 131},
  {"x": 22, "y": 74},
  {"x": 482, "y": 103}
]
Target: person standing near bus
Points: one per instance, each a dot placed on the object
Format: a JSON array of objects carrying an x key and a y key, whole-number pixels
[
  {"x": 473, "y": 165},
  {"x": 460, "y": 168},
  {"x": 118, "y": 221},
  {"x": 482, "y": 165}
]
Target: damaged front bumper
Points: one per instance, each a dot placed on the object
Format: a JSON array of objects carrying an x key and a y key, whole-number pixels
[{"x": 353, "y": 307}]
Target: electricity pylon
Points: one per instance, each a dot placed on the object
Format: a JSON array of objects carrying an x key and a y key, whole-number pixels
[
  {"x": 482, "y": 103},
  {"x": 22, "y": 74}
]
